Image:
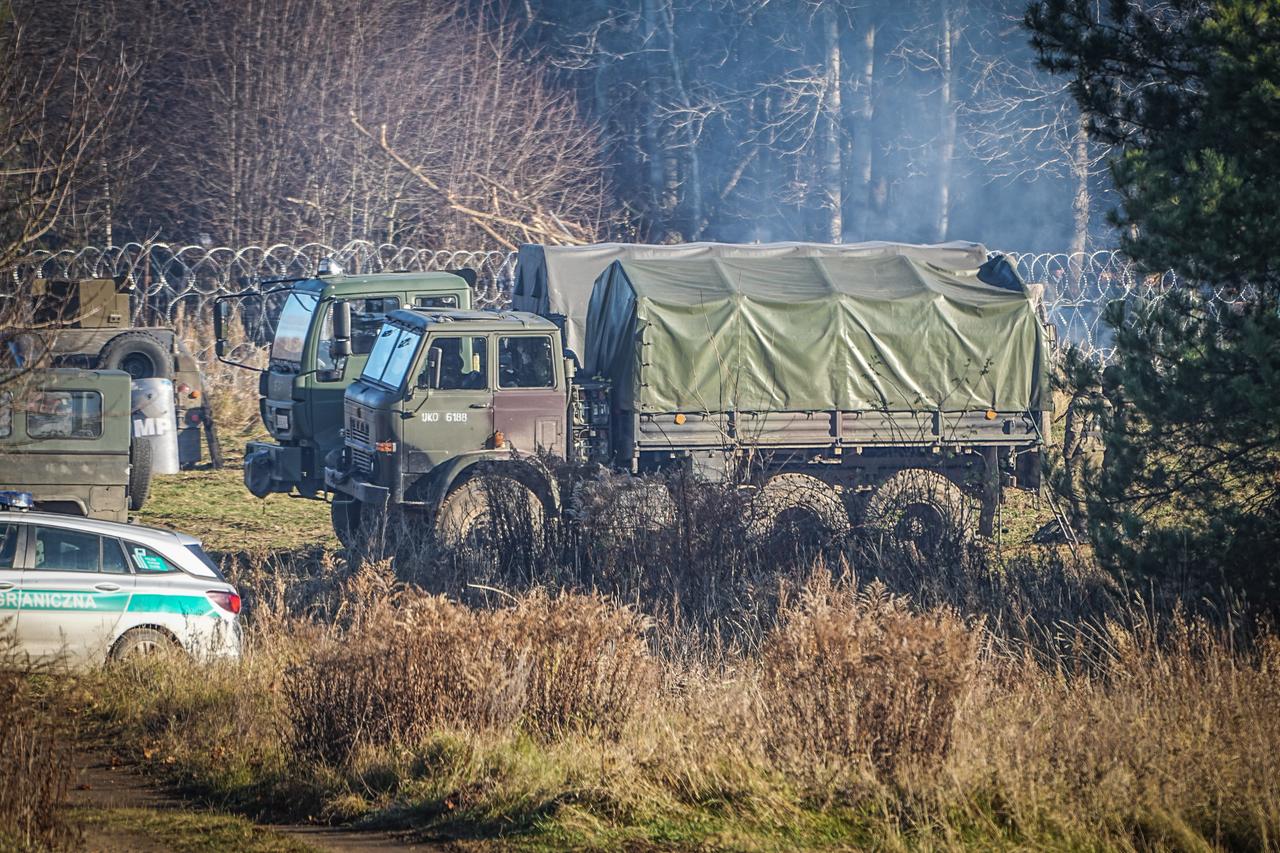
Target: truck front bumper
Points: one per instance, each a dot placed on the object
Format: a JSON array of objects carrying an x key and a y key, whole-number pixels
[
  {"x": 271, "y": 468},
  {"x": 343, "y": 482}
]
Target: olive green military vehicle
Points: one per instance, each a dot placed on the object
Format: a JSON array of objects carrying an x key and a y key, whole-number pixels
[
  {"x": 322, "y": 337},
  {"x": 885, "y": 390},
  {"x": 87, "y": 323},
  {"x": 65, "y": 438}
]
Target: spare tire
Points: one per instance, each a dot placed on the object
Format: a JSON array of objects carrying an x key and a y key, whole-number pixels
[
  {"x": 139, "y": 473},
  {"x": 139, "y": 354}
]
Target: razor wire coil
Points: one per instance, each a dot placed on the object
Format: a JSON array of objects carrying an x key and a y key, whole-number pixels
[{"x": 174, "y": 278}]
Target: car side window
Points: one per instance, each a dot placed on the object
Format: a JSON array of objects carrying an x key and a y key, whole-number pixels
[
  {"x": 148, "y": 562},
  {"x": 113, "y": 559},
  {"x": 61, "y": 550},
  {"x": 8, "y": 545},
  {"x": 525, "y": 363}
]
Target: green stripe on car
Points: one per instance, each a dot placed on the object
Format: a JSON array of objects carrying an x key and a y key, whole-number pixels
[
  {"x": 184, "y": 605},
  {"x": 84, "y": 600}
]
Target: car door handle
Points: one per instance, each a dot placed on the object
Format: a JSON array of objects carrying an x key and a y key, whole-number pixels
[
  {"x": 107, "y": 587},
  {"x": 479, "y": 405},
  {"x": 5, "y": 585}
]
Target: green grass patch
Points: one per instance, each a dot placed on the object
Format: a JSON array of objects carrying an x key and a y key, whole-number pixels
[{"x": 216, "y": 507}]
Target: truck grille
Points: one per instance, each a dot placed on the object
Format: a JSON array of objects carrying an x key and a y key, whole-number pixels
[
  {"x": 362, "y": 460},
  {"x": 358, "y": 428}
]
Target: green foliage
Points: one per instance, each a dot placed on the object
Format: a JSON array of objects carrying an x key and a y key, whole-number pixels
[
  {"x": 1189, "y": 490},
  {"x": 1189, "y": 93}
]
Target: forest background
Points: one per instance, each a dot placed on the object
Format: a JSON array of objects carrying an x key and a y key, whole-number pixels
[{"x": 486, "y": 124}]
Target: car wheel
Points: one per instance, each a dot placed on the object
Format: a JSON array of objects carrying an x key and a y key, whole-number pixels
[{"x": 141, "y": 643}]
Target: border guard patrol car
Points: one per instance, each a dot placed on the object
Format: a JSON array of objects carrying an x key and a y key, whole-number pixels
[{"x": 85, "y": 591}]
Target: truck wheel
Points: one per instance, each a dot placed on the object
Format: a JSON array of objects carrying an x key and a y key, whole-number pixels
[
  {"x": 139, "y": 354},
  {"x": 919, "y": 506},
  {"x": 345, "y": 515},
  {"x": 797, "y": 505},
  {"x": 489, "y": 512},
  {"x": 619, "y": 507},
  {"x": 139, "y": 473},
  {"x": 140, "y": 643}
]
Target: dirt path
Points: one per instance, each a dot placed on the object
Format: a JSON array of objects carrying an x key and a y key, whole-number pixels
[{"x": 119, "y": 809}]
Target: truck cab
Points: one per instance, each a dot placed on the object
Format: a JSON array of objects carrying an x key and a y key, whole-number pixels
[
  {"x": 442, "y": 392},
  {"x": 311, "y": 363}
]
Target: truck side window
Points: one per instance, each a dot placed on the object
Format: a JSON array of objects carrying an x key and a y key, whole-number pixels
[
  {"x": 525, "y": 363},
  {"x": 6, "y": 414},
  {"x": 64, "y": 414},
  {"x": 464, "y": 364},
  {"x": 449, "y": 301},
  {"x": 366, "y": 321}
]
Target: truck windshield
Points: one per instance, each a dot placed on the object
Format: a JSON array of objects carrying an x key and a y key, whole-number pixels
[
  {"x": 291, "y": 330},
  {"x": 392, "y": 356}
]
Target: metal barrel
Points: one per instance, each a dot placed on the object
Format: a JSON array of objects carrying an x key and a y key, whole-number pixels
[{"x": 154, "y": 422}]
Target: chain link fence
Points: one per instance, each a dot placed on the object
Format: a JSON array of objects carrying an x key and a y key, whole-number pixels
[{"x": 173, "y": 278}]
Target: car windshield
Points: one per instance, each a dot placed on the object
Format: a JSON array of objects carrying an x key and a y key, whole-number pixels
[
  {"x": 291, "y": 330},
  {"x": 392, "y": 356}
]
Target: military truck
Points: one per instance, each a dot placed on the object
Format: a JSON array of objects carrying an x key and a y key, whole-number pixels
[
  {"x": 324, "y": 331},
  {"x": 87, "y": 324},
  {"x": 65, "y": 438},
  {"x": 883, "y": 388}
]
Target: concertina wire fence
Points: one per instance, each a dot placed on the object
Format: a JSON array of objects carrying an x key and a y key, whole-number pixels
[{"x": 173, "y": 279}]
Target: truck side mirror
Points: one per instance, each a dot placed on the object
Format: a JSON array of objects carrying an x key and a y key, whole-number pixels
[
  {"x": 430, "y": 378},
  {"x": 221, "y": 314},
  {"x": 341, "y": 329}
]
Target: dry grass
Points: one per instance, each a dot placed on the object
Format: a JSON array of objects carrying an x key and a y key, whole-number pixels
[
  {"x": 858, "y": 719},
  {"x": 853, "y": 676},
  {"x": 408, "y": 664},
  {"x": 232, "y": 391},
  {"x": 35, "y": 758}
]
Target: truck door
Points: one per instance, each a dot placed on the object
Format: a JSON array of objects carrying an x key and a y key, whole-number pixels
[
  {"x": 456, "y": 414},
  {"x": 75, "y": 588},
  {"x": 529, "y": 405},
  {"x": 331, "y": 378}
]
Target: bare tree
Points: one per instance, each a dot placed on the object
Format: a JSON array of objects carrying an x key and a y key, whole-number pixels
[
  {"x": 57, "y": 113},
  {"x": 1023, "y": 124}
]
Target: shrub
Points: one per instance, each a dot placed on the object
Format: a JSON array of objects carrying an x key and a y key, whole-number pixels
[
  {"x": 857, "y": 677},
  {"x": 35, "y": 765},
  {"x": 411, "y": 666}
]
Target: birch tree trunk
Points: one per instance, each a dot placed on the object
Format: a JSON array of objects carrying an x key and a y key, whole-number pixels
[
  {"x": 863, "y": 143},
  {"x": 947, "y": 128},
  {"x": 830, "y": 172}
]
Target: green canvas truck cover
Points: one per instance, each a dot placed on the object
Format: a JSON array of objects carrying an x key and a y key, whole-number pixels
[
  {"x": 558, "y": 279},
  {"x": 806, "y": 334}
]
